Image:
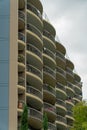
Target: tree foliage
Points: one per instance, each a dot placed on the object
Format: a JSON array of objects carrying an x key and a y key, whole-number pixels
[
  {"x": 24, "y": 119},
  {"x": 45, "y": 122},
  {"x": 80, "y": 116}
]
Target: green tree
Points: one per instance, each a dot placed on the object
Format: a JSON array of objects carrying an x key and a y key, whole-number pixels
[
  {"x": 45, "y": 122},
  {"x": 24, "y": 119},
  {"x": 80, "y": 116}
]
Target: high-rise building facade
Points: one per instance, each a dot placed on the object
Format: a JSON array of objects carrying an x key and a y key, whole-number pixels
[{"x": 34, "y": 69}]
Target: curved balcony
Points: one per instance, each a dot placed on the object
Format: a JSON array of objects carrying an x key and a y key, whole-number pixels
[
  {"x": 49, "y": 27},
  {"x": 34, "y": 97},
  {"x": 35, "y": 118},
  {"x": 21, "y": 21},
  {"x": 34, "y": 49},
  {"x": 70, "y": 89},
  {"x": 60, "y": 91},
  {"x": 77, "y": 77},
  {"x": 34, "y": 30},
  {"x": 21, "y": 81},
  {"x": 69, "y": 103},
  {"x": 69, "y": 116},
  {"x": 49, "y": 35},
  {"x": 21, "y": 41},
  {"x": 77, "y": 89},
  {"x": 77, "y": 98},
  {"x": 60, "y": 59},
  {"x": 34, "y": 56},
  {"x": 51, "y": 126},
  {"x": 61, "y": 106},
  {"x": 33, "y": 39},
  {"x": 69, "y": 74},
  {"x": 49, "y": 53},
  {"x": 21, "y": 36},
  {"x": 37, "y": 4},
  {"x": 61, "y": 122},
  {"x": 69, "y": 64},
  {"x": 21, "y": 62},
  {"x": 34, "y": 70},
  {"x": 49, "y": 76},
  {"x": 49, "y": 93},
  {"x": 49, "y": 58},
  {"x": 21, "y": 4},
  {"x": 60, "y": 48},
  {"x": 34, "y": 75},
  {"x": 51, "y": 111},
  {"x": 51, "y": 43},
  {"x": 34, "y": 19},
  {"x": 48, "y": 44},
  {"x": 34, "y": 10},
  {"x": 21, "y": 58},
  {"x": 60, "y": 75}
]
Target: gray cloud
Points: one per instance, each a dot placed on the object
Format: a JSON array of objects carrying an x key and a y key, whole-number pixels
[{"x": 69, "y": 17}]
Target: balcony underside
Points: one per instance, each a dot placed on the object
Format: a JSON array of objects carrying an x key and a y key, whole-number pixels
[
  {"x": 61, "y": 94},
  {"x": 34, "y": 80},
  {"x": 70, "y": 77},
  {"x": 33, "y": 38},
  {"x": 21, "y": 24},
  {"x": 35, "y": 60},
  {"x": 49, "y": 79},
  {"x": 61, "y": 109},
  {"x": 70, "y": 91},
  {"x": 34, "y": 101},
  {"x": 61, "y": 125},
  {"x": 60, "y": 62},
  {"x": 49, "y": 61},
  {"x": 49, "y": 97},
  {"x": 34, "y": 19},
  {"x": 51, "y": 115},
  {"x": 61, "y": 78},
  {"x": 21, "y": 4},
  {"x": 35, "y": 122}
]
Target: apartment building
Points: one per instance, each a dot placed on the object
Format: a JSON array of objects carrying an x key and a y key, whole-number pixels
[{"x": 34, "y": 69}]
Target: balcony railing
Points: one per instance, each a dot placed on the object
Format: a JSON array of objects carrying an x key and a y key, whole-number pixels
[
  {"x": 21, "y": 81},
  {"x": 49, "y": 53},
  {"x": 69, "y": 71},
  {"x": 78, "y": 83},
  {"x": 70, "y": 85},
  {"x": 21, "y": 36},
  {"x": 51, "y": 126},
  {"x": 61, "y": 119},
  {"x": 34, "y": 91},
  {"x": 49, "y": 89},
  {"x": 33, "y": 49},
  {"x": 35, "y": 114},
  {"x": 60, "y": 86},
  {"x": 61, "y": 102},
  {"x": 34, "y": 70},
  {"x": 48, "y": 35},
  {"x": 60, "y": 55},
  {"x": 61, "y": 71},
  {"x": 21, "y": 15},
  {"x": 21, "y": 58},
  {"x": 34, "y": 10},
  {"x": 50, "y": 71},
  {"x": 79, "y": 97},
  {"x": 49, "y": 107},
  {"x": 69, "y": 113},
  {"x": 33, "y": 29}
]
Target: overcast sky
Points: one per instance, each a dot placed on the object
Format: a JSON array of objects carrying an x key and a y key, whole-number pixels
[{"x": 69, "y": 17}]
